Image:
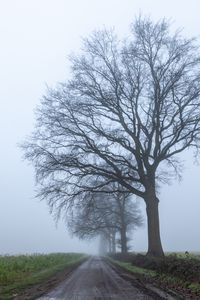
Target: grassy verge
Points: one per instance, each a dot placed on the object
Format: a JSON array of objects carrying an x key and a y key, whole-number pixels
[
  {"x": 183, "y": 288},
  {"x": 133, "y": 269},
  {"x": 19, "y": 272}
]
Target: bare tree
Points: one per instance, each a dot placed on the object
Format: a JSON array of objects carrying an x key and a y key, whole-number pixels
[
  {"x": 127, "y": 112},
  {"x": 108, "y": 215}
]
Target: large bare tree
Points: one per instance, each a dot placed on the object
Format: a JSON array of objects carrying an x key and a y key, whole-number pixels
[{"x": 128, "y": 111}]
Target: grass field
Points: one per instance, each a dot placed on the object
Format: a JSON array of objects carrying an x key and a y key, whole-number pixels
[
  {"x": 18, "y": 272},
  {"x": 185, "y": 255},
  {"x": 181, "y": 254}
]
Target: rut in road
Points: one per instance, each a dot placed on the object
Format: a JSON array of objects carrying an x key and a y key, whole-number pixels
[{"x": 95, "y": 280}]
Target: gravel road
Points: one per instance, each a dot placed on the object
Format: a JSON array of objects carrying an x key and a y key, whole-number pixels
[{"x": 96, "y": 280}]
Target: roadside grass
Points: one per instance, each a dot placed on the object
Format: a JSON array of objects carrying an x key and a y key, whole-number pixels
[
  {"x": 178, "y": 273},
  {"x": 134, "y": 269},
  {"x": 19, "y": 272}
]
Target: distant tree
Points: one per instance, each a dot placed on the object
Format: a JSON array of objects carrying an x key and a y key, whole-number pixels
[
  {"x": 127, "y": 112},
  {"x": 107, "y": 214}
]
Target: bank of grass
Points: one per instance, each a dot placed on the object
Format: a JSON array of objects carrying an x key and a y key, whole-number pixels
[
  {"x": 134, "y": 269},
  {"x": 22, "y": 271},
  {"x": 177, "y": 272}
]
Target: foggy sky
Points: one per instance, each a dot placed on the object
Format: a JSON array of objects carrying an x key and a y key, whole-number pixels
[{"x": 36, "y": 38}]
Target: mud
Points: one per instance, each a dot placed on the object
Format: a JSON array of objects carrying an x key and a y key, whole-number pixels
[{"x": 97, "y": 280}]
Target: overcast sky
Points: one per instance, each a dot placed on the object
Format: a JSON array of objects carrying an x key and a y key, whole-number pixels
[{"x": 36, "y": 38}]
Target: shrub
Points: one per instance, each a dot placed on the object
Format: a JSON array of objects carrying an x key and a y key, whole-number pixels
[{"x": 187, "y": 269}]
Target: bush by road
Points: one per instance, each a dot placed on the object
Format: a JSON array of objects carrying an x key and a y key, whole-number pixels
[{"x": 180, "y": 273}]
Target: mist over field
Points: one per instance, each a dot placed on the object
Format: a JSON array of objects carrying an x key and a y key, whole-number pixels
[{"x": 36, "y": 39}]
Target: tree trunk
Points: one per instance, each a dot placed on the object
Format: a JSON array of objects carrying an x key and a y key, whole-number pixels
[
  {"x": 103, "y": 245},
  {"x": 109, "y": 244},
  {"x": 113, "y": 242},
  {"x": 154, "y": 241},
  {"x": 123, "y": 240}
]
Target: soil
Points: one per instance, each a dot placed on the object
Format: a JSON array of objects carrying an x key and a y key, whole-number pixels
[{"x": 95, "y": 279}]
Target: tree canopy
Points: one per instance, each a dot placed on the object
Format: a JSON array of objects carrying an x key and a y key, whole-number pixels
[{"x": 125, "y": 114}]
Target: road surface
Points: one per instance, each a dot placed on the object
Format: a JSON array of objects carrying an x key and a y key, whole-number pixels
[{"x": 96, "y": 280}]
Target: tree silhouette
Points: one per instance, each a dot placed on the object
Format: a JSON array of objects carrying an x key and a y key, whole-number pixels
[
  {"x": 124, "y": 116},
  {"x": 109, "y": 214}
]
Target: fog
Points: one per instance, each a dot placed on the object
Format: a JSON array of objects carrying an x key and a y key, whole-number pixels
[{"x": 36, "y": 39}]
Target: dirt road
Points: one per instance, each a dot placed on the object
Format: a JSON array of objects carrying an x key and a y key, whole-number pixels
[{"x": 96, "y": 280}]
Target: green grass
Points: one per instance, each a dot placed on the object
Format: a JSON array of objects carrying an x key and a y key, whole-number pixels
[
  {"x": 134, "y": 269},
  {"x": 19, "y": 272},
  {"x": 167, "y": 280}
]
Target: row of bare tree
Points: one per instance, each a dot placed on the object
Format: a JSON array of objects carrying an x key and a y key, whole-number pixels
[
  {"x": 112, "y": 216},
  {"x": 128, "y": 111}
]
